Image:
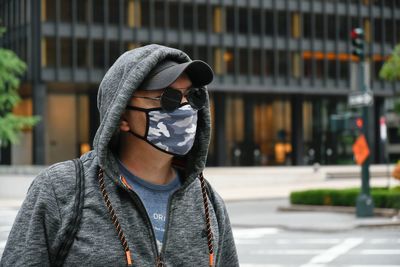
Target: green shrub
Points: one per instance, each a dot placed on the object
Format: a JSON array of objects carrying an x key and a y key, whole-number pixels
[{"x": 383, "y": 197}]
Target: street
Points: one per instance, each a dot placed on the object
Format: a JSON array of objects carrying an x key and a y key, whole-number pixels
[
  {"x": 261, "y": 244},
  {"x": 269, "y": 247}
]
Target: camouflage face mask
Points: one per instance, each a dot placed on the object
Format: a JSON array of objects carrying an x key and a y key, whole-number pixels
[{"x": 171, "y": 132}]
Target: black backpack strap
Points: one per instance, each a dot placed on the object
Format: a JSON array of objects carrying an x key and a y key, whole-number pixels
[{"x": 73, "y": 227}]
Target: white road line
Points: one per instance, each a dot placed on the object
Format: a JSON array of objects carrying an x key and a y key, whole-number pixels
[
  {"x": 254, "y": 232},
  {"x": 334, "y": 252},
  {"x": 286, "y": 251},
  {"x": 308, "y": 241},
  {"x": 260, "y": 265},
  {"x": 373, "y": 265},
  {"x": 380, "y": 252},
  {"x": 381, "y": 241}
]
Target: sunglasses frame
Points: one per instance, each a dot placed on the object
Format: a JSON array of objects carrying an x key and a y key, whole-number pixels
[{"x": 190, "y": 91}]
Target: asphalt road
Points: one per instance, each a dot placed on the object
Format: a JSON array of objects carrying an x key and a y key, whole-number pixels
[{"x": 260, "y": 246}]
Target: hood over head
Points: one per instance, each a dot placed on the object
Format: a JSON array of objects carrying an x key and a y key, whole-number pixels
[{"x": 118, "y": 85}]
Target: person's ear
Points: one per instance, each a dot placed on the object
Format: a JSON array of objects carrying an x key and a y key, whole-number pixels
[{"x": 124, "y": 125}]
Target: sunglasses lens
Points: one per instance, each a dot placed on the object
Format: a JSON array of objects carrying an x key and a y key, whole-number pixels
[
  {"x": 171, "y": 99},
  {"x": 197, "y": 98}
]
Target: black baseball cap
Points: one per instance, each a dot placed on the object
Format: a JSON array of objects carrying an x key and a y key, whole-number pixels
[{"x": 167, "y": 71}]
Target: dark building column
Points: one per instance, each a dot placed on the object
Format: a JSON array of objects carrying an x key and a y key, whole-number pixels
[
  {"x": 248, "y": 146},
  {"x": 219, "y": 126},
  {"x": 297, "y": 130},
  {"x": 38, "y": 88},
  {"x": 94, "y": 116},
  {"x": 5, "y": 155},
  {"x": 378, "y": 146}
]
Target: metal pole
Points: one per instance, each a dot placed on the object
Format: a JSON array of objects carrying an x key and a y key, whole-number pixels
[{"x": 365, "y": 204}]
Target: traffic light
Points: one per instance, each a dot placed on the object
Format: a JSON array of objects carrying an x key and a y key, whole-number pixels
[{"x": 357, "y": 37}]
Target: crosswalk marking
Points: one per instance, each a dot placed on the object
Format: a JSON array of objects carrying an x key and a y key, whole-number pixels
[
  {"x": 254, "y": 233},
  {"x": 334, "y": 252},
  {"x": 380, "y": 252},
  {"x": 308, "y": 241}
]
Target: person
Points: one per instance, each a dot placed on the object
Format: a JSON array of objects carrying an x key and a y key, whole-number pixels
[{"x": 146, "y": 202}]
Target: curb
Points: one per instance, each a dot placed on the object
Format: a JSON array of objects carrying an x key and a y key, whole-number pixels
[{"x": 379, "y": 212}]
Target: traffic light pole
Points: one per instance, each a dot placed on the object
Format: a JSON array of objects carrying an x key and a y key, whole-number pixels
[{"x": 365, "y": 204}]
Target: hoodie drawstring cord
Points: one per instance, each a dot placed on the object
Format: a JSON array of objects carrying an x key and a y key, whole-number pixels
[
  {"x": 208, "y": 224},
  {"x": 114, "y": 219},
  {"x": 121, "y": 235}
]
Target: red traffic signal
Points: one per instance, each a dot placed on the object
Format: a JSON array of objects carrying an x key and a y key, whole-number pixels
[
  {"x": 359, "y": 123},
  {"x": 357, "y": 36}
]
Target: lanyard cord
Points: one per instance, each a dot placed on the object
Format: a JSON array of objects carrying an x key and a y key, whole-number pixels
[
  {"x": 121, "y": 235},
  {"x": 114, "y": 218},
  {"x": 208, "y": 224}
]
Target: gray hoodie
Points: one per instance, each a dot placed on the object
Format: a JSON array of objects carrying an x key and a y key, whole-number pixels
[{"x": 41, "y": 222}]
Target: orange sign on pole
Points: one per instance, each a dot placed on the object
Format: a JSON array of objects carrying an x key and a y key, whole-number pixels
[{"x": 361, "y": 150}]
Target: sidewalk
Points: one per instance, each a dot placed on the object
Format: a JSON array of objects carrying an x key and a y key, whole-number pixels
[
  {"x": 244, "y": 215},
  {"x": 250, "y": 185}
]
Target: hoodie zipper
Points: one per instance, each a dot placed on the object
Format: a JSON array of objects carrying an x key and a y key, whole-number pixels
[
  {"x": 135, "y": 196},
  {"x": 143, "y": 210},
  {"x": 159, "y": 259}
]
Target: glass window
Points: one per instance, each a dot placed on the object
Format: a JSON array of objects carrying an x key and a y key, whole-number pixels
[
  {"x": 256, "y": 21},
  {"x": 188, "y": 17},
  {"x": 377, "y": 30},
  {"x": 307, "y": 67},
  {"x": 173, "y": 15},
  {"x": 270, "y": 63},
  {"x": 243, "y": 22},
  {"x": 145, "y": 13},
  {"x": 282, "y": 23},
  {"x": 113, "y": 12},
  {"x": 113, "y": 51},
  {"x": 319, "y": 26},
  {"x": 82, "y": 53},
  {"x": 50, "y": 8},
  {"x": 50, "y": 52},
  {"x": 272, "y": 131},
  {"x": 344, "y": 70},
  {"x": 66, "y": 10},
  {"x": 344, "y": 29},
  {"x": 243, "y": 61},
  {"x": 307, "y": 25},
  {"x": 230, "y": 19},
  {"x": 229, "y": 59},
  {"x": 378, "y": 65},
  {"x": 389, "y": 30},
  {"x": 202, "y": 17},
  {"x": 98, "y": 54},
  {"x": 256, "y": 56},
  {"x": 320, "y": 68},
  {"x": 159, "y": 7},
  {"x": 98, "y": 12},
  {"x": 282, "y": 63},
  {"x": 269, "y": 23},
  {"x": 332, "y": 69},
  {"x": 331, "y": 27},
  {"x": 203, "y": 54},
  {"x": 81, "y": 11},
  {"x": 66, "y": 52}
]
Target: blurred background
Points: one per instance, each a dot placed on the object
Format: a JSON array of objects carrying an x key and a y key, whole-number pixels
[
  {"x": 279, "y": 102},
  {"x": 283, "y": 68}
]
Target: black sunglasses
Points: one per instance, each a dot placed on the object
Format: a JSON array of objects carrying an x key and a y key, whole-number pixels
[{"x": 171, "y": 98}]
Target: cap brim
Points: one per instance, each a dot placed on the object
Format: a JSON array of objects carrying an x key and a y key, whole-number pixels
[{"x": 199, "y": 72}]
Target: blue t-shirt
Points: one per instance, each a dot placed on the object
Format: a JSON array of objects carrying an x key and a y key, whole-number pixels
[{"x": 154, "y": 197}]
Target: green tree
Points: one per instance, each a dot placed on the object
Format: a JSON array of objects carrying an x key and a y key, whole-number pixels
[
  {"x": 390, "y": 71},
  {"x": 11, "y": 70}
]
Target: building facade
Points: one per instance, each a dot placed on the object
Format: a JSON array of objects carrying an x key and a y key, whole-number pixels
[{"x": 283, "y": 69}]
